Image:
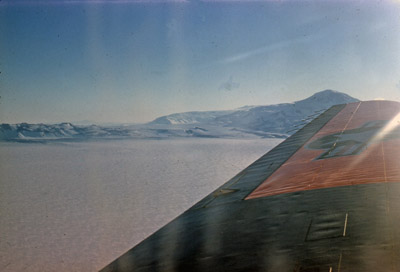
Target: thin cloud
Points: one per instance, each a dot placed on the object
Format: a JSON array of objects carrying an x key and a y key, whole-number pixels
[{"x": 265, "y": 49}]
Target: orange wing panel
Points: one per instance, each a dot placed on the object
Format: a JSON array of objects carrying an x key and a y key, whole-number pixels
[{"x": 360, "y": 145}]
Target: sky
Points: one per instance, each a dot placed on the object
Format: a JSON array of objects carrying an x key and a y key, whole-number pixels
[{"x": 132, "y": 61}]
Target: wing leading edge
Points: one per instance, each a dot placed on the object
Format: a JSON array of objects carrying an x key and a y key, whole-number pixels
[{"x": 325, "y": 199}]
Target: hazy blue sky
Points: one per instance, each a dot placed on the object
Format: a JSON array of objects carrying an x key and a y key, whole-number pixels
[{"x": 131, "y": 61}]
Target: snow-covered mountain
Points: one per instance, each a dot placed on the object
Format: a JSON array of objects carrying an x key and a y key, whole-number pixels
[
  {"x": 26, "y": 131},
  {"x": 278, "y": 120},
  {"x": 193, "y": 117}
]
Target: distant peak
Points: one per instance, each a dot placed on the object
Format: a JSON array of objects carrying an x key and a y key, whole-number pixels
[{"x": 327, "y": 92}]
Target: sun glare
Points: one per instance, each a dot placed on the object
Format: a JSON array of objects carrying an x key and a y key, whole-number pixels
[{"x": 391, "y": 125}]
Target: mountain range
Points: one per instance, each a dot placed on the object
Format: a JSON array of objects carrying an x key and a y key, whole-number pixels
[{"x": 271, "y": 121}]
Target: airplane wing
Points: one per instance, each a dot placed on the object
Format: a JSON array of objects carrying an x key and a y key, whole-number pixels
[{"x": 325, "y": 199}]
